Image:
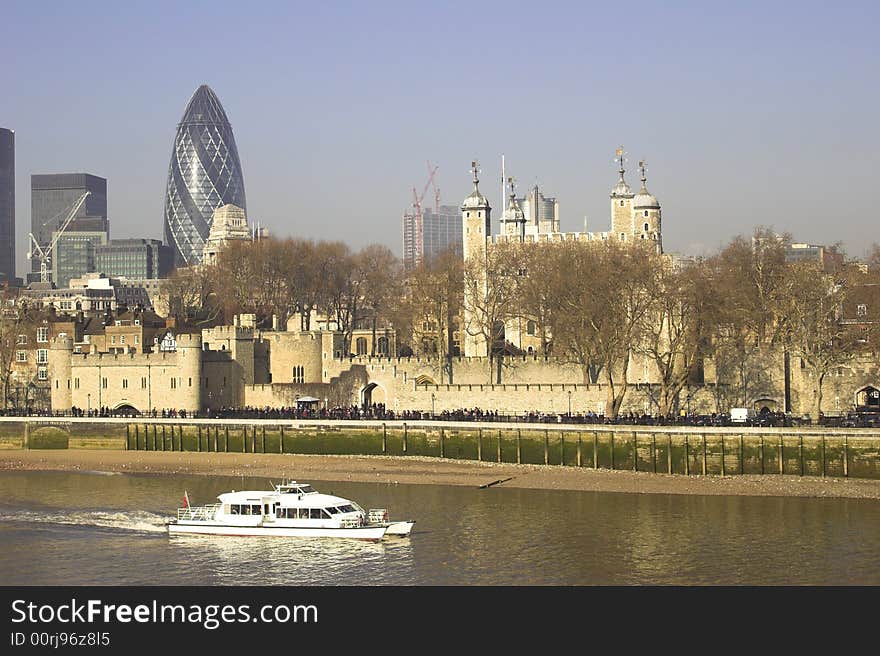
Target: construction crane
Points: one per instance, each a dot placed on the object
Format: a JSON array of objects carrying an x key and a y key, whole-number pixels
[
  {"x": 417, "y": 205},
  {"x": 45, "y": 256}
]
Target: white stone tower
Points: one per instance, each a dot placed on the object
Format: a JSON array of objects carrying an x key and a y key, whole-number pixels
[
  {"x": 476, "y": 233},
  {"x": 513, "y": 220},
  {"x": 621, "y": 204},
  {"x": 646, "y": 214}
]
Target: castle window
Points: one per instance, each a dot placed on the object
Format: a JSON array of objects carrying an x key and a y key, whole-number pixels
[
  {"x": 43, "y": 334},
  {"x": 299, "y": 374},
  {"x": 104, "y": 383},
  {"x": 531, "y": 328},
  {"x": 21, "y": 339},
  {"x": 190, "y": 382},
  {"x": 21, "y": 356},
  {"x": 122, "y": 339},
  {"x": 468, "y": 215},
  {"x": 125, "y": 383},
  {"x": 361, "y": 345},
  {"x": 382, "y": 345},
  {"x": 621, "y": 203},
  {"x": 861, "y": 310},
  {"x": 646, "y": 214},
  {"x": 76, "y": 383},
  {"x": 112, "y": 339},
  {"x": 42, "y": 374},
  {"x": 42, "y": 356},
  {"x": 143, "y": 383},
  {"x": 646, "y": 225},
  {"x": 622, "y": 236},
  {"x": 173, "y": 383}
]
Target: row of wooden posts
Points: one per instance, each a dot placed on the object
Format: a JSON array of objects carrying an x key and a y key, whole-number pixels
[{"x": 158, "y": 442}]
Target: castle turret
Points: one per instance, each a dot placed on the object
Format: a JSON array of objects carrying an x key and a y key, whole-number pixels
[
  {"x": 621, "y": 204},
  {"x": 646, "y": 214},
  {"x": 513, "y": 220},
  {"x": 189, "y": 371},
  {"x": 476, "y": 227},
  {"x": 60, "y": 352}
]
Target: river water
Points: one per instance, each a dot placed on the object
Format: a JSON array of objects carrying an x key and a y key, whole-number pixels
[{"x": 107, "y": 529}]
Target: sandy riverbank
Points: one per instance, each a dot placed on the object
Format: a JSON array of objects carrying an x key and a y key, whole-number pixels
[{"x": 430, "y": 471}]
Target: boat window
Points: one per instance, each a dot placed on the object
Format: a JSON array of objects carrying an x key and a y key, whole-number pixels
[
  {"x": 306, "y": 489},
  {"x": 255, "y": 509},
  {"x": 326, "y": 513},
  {"x": 315, "y": 513},
  {"x": 233, "y": 509},
  {"x": 346, "y": 508}
]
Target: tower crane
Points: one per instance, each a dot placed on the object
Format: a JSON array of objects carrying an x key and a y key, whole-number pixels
[
  {"x": 417, "y": 205},
  {"x": 45, "y": 256}
]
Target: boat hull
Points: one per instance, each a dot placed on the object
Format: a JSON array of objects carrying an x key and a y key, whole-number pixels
[
  {"x": 374, "y": 533},
  {"x": 399, "y": 529}
]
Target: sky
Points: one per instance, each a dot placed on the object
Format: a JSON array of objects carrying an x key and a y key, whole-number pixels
[{"x": 748, "y": 114}]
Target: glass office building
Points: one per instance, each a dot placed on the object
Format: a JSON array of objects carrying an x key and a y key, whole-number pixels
[
  {"x": 7, "y": 204},
  {"x": 74, "y": 255},
  {"x": 52, "y": 198},
  {"x": 135, "y": 259},
  {"x": 205, "y": 173}
]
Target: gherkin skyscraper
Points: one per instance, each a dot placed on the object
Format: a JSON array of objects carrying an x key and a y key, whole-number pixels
[{"x": 205, "y": 173}]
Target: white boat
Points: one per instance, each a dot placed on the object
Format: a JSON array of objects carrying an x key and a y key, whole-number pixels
[{"x": 290, "y": 510}]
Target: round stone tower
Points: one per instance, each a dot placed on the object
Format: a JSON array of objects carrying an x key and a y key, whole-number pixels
[
  {"x": 646, "y": 214},
  {"x": 476, "y": 233},
  {"x": 621, "y": 204},
  {"x": 60, "y": 380},
  {"x": 189, "y": 370}
]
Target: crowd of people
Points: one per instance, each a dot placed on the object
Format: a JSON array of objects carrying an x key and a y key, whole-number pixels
[{"x": 378, "y": 411}]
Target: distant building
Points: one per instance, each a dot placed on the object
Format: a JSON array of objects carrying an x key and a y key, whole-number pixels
[
  {"x": 7, "y": 204},
  {"x": 439, "y": 230},
  {"x": 93, "y": 293},
  {"x": 74, "y": 255},
  {"x": 52, "y": 198},
  {"x": 204, "y": 174},
  {"x": 134, "y": 259},
  {"x": 828, "y": 257},
  {"x": 541, "y": 214},
  {"x": 228, "y": 223}
]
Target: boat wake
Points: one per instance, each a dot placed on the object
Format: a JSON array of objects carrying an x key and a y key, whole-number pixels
[{"x": 137, "y": 521}]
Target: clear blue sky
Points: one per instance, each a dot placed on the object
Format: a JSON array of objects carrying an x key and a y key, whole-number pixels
[{"x": 748, "y": 113}]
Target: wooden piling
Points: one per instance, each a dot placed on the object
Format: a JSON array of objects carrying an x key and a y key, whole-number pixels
[
  {"x": 155, "y": 437},
  {"x": 704, "y": 454},
  {"x": 226, "y": 440},
  {"x": 823, "y": 455},
  {"x": 612, "y": 450},
  {"x": 635, "y": 451},
  {"x": 199, "y": 438},
  {"x": 654, "y": 452},
  {"x": 781, "y": 454},
  {"x": 281, "y": 441},
  {"x": 404, "y": 438},
  {"x": 687, "y": 463},
  {"x": 443, "y": 443},
  {"x": 596, "y": 449},
  {"x": 579, "y": 456},
  {"x": 164, "y": 438},
  {"x": 762, "y": 453},
  {"x": 137, "y": 441},
  {"x": 384, "y": 438},
  {"x": 801, "y": 452},
  {"x": 668, "y": 453},
  {"x": 546, "y": 447},
  {"x": 264, "y": 437},
  {"x": 479, "y": 445},
  {"x": 518, "y": 446},
  {"x": 562, "y": 448},
  {"x": 127, "y": 437},
  {"x": 845, "y": 456},
  {"x": 244, "y": 439},
  {"x": 742, "y": 454},
  {"x": 499, "y": 446},
  {"x": 722, "y": 454}
]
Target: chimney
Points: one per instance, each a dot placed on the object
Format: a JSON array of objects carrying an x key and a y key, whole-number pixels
[{"x": 275, "y": 322}]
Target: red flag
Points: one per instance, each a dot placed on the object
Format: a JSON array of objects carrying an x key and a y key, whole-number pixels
[{"x": 185, "y": 499}]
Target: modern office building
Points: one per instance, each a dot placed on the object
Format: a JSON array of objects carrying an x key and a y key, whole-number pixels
[
  {"x": 205, "y": 173},
  {"x": 438, "y": 231},
  {"x": 7, "y": 204},
  {"x": 74, "y": 255},
  {"x": 135, "y": 259},
  {"x": 54, "y": 195}
]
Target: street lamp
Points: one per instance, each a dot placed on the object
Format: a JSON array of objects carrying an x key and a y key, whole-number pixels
[
  {"x": 89, "y": 404},
  {"x": 432, "y": 405},
  {"x": 569, "y": 403}
]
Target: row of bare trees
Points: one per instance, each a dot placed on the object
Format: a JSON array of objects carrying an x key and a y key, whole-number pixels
[
  {"x": 596, "y": 304},
  {"x": 599, "y": 304}
]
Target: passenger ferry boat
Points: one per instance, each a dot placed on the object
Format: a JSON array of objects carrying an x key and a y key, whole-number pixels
[{"x": 290, "y": 510}]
